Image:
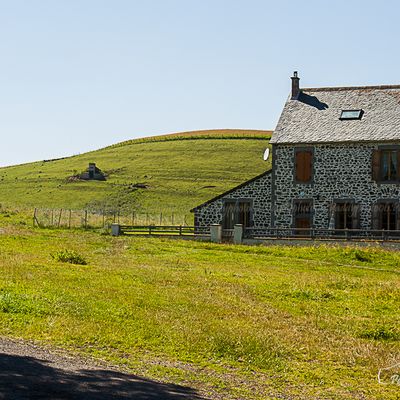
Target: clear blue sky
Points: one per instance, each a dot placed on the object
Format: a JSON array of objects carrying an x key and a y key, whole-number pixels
[{"x": 76, "y": 75}]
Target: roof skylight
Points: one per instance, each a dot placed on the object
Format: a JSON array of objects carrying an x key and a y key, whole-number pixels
[{"x": 351, "y": 114}]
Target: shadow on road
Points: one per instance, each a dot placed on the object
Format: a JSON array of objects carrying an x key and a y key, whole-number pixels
[{"x": 31, "y": 378}]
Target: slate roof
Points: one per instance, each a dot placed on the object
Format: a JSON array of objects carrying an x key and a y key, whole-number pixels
[{"x": 314, "y": 116}]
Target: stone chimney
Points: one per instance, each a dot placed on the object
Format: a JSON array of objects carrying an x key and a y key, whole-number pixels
[{"x": 295, "y": 86}]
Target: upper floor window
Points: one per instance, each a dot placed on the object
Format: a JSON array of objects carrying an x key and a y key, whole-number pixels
[
  {"x": 389, "y": 165},
  {"x": 303, "y": 165},
  {"x": 385, "y": 165}
]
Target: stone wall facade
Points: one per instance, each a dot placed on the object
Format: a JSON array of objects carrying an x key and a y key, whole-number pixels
[
  {"x": 257, "y": 190},
  {"x": 340, "y": 172}
]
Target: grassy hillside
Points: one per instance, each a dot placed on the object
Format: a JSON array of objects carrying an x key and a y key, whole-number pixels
[
  {"x": 178, "y": 170},
  {"x": 243, "y": 322}
]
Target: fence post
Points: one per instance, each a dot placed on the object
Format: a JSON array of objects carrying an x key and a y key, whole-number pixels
[
  {"x": 180, "y": 230},
  {"x": 216, "y": 233},
  {"x": 85, "y": 219},
  {"x": 69, "y": 219},
  {"x": 34, "y": 217},
  {"x": 160, "y": 218},
  {"x": 59, "y": 218},
  {"x": 238, "y": 234},
  {"x": 115, "y": 229},
  {"x": 172, "y": 219}
]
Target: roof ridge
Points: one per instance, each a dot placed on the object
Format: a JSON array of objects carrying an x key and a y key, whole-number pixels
[{"x": 342, "y": 88}]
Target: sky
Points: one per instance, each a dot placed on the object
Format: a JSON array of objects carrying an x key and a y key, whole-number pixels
[{"x": 78, "y": 75}]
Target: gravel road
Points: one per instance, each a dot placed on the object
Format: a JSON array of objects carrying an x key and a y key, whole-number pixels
[{"x": 31, "y": 372}]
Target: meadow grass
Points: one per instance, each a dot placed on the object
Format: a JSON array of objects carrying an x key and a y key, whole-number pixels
[
  {"x": 238, "y": 321},
  {"x": 180, "y": 172}
]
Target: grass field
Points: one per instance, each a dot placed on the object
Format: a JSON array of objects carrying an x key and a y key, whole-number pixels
[
  {"x": 179, "y": 170},
  {"x": 234, "y": 321}
]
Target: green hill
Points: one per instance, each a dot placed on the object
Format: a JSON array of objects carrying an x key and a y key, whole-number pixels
[{"x": 170, "y": 173}]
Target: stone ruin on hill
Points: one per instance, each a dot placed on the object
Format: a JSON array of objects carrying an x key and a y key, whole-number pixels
[{"x": 93, "y": 173}]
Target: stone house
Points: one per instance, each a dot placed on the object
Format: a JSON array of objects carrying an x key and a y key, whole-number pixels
[{"x": 335, "y": 165}]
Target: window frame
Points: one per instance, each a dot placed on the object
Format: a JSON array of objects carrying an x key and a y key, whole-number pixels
[
  {"x": 360, "y": 115},
  {"x": 377, "y": 214},
  {"x": 355, "y": 212},
  {"x": 389, "y": 151},
  {"x": 379, "y": 178},
  {"x": 236, "y": 211}
]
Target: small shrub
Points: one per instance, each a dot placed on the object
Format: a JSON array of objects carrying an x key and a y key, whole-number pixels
[
  {"x": 362, "y": 255},
  {"x": 311, "y": 295},
  {"x": 69, "y": 256},
  {"x": 17, "y": 303},
  {"x": 381, "y": 333}
]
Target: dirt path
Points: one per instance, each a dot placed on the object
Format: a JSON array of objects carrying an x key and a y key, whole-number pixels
[{"x": 30, "y": 372}]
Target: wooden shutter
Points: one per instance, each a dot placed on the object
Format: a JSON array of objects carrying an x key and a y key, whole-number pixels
[
  {"x": 338, "y": 208},
  {"x": 303, "y": 165},
  {"x": 307, "y": 166},
  {"x": 300, "y": 166},
  {"x": 376, "y": 165},
  {"x": 355, "y": 223},
  {"x": 376, "y": 216},
  {"x": 398, "y": 165},
  {"x": 397, "y": 211}
]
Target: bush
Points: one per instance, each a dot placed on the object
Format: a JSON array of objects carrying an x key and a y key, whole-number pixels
[
  {"x": 381, "y": 333},
  {"x": 362, "y": 255},
  {"x": 69, "y": 256}
]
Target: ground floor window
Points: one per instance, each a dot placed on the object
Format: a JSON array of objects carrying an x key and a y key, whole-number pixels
[
  {"x": 237, "y": 212},
  {"x": 385, "y": 216},
  {"x": 302, "y": 216},
  {"x": 346, "y": 215}
]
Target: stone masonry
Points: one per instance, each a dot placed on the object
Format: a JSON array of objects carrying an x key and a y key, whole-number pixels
[
  {"x": 341, "y": 171},
  {"x": 257, "y": 190}
]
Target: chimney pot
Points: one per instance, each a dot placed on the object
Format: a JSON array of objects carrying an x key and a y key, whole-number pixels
[{"x": 295, "y": 86}]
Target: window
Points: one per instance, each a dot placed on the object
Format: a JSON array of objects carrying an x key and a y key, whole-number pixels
[
  {"x": 346, "y": 214},
  {"x": 385, "y": 165},
  {"x": 303, "y": 165},
  {"x": 385, "y": 216},
  {"x": 351, "y": 114},
  {"x": 388, "y": 217},
  {"x": 389, "y": 165},
  {"x": 244, "y": 213},
  {"x": 236, "y": 212},
  {"x": 229, "y": 215},
  {"x": 302, "y": 216}
]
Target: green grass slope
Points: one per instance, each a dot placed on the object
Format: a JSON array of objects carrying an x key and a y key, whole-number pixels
[
  {"x": 179, "y": 170},
  {"x": 235, "y": 322}
]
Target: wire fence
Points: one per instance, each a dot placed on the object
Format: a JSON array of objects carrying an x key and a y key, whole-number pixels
[{"x": 66, "y": 218}]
